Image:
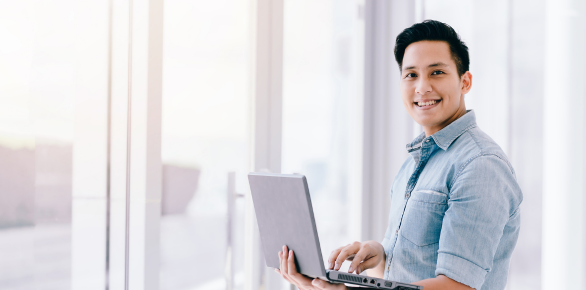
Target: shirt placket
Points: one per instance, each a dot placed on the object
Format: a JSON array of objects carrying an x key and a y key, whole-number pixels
[{"x": 426, "y": 149}]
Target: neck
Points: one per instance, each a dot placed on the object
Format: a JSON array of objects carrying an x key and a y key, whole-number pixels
[{"x": 430, "y": 130}]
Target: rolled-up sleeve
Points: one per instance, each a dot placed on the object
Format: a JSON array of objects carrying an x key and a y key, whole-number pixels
[{"x": 483, "y": 196}]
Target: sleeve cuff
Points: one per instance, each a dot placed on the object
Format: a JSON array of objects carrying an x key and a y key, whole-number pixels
[{"x": 460, "y": 270}]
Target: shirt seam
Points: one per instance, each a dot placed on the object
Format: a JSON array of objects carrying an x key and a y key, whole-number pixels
[
  {"x": 446, "y": 253},
  {"x": 455, "y": 179},
  {"x": 515, "y": 211},
  {"x": 473, "y": 136},
  {"x": 429, "y": 202}
]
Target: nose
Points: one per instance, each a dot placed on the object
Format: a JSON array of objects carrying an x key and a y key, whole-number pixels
[{"x": 423, "y": 86}]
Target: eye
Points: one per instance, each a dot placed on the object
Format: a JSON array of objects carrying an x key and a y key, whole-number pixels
[
  {"x": 410, "y": 75},
  {"x": 437, "y": 72}
]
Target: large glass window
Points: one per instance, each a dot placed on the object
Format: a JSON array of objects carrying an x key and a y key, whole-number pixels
[
  {"x": 204, "y": 137},
  {"x": 318, "y": 86},
  {"x": 42, "y": 155}
]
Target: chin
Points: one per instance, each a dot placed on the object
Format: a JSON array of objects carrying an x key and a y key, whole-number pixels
[{"x": 426, "y": 121}]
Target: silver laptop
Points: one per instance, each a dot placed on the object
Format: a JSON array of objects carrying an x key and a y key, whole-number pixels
[{"x": 285, "y": 217}]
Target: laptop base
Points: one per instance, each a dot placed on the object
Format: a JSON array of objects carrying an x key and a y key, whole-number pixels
[{"x": 371, "y": 282}]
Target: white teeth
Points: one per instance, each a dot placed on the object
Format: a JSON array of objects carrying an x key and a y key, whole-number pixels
[{"x": 426, "y": 103}]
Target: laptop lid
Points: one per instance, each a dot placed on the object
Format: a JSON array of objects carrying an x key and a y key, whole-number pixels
[{"x": 285, "y": 217}]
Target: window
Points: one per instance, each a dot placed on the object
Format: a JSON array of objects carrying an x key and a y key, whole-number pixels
[
  {"x": 53, "y": 158},
  {"x": 204, "y": 137},
  {"x": 319, "y": 84}
]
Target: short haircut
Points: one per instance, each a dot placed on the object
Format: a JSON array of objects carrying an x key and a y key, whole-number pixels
[{"x": 434, "y": 31}]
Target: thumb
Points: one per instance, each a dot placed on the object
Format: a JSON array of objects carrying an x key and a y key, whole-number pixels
[{"x": 366, "y": 264}]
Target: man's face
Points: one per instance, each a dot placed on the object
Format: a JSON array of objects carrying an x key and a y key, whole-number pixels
[{"x": 433, "y": 92}]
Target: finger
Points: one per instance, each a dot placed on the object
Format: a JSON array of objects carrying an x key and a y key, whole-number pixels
[
  {"x": 292, "y": 270},
  {"x": 363, "y": 254},
  {"x": 319, "y": 284},
  {"x": 347, "y": 251},
  {"x": 325, "y": 285},
  {"x": 299, "y": 279},
  {"x": 284, "y": 269},
  {"x": 334, "y": 256},
  {"x": 351, "y": 257},
  {"x": 280, "y": 271},
  {"x": 369, "y": 263},
  {"x": 373, "y": 255}
]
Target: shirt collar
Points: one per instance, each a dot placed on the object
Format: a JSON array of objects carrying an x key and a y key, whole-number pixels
[{"x": 444, "y": 137}]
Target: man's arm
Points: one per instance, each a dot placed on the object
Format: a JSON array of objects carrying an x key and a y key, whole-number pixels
[
  {"x": 441, "y": 282},
  {"x": 483, "y": 197},
  {"x": 438, "y": 283}
]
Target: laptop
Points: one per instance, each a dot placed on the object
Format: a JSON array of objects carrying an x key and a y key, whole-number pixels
[{"x": 285, "y": 217}]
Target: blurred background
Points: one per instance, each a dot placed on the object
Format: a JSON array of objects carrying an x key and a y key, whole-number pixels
[{"x": 127, "y": 129}]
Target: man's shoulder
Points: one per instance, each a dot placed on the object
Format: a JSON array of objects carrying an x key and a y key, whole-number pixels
[
  {"x": 474, "y": 146},
  {"x": 475, "y": 143}
]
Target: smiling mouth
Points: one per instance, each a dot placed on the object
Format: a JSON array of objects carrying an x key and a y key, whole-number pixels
[{"x": 426, "y": 104}]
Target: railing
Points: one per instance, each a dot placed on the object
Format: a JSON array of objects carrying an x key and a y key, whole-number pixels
[{"x": 232, "y": 196}]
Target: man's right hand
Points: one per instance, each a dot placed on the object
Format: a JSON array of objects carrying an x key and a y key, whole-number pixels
[{"x": 365, "y": 255}]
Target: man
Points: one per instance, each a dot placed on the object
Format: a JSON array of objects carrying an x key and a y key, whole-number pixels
[{"x": 455, "y": 216}]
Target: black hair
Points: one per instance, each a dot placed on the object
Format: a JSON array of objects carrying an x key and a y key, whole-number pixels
[{"x": 434, "y": 31}]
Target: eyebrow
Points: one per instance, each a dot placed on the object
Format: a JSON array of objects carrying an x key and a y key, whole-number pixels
[{"x": 431, "y": 65}]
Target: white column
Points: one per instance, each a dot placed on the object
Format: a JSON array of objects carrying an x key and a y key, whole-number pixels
[
  {"x": 137, "y": 29},
  {"x": 356, "y": 128},
  {"x": 119, "y": 72},
  {"x": 145, "y": 148},
  {"x": 89, "y": 188},
  {"x": 563, "y": 264},
  {"x": 387, "y": 126},
  {"x": 266, "y": 101},
  {"x": 375, "y": 153}
]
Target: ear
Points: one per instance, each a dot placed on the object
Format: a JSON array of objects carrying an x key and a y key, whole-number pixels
[{"x": 466, "y": 82}]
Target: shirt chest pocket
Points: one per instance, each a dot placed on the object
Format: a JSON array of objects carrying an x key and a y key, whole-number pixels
[{"x": 423, "y": 217}]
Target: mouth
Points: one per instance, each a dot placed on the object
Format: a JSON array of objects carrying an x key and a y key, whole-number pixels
[{"x": 427, "y": 104}]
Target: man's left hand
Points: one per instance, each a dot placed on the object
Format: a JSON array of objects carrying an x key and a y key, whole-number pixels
[{"x": 289, "y": 273}]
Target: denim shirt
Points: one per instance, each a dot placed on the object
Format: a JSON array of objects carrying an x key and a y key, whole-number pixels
[{"x": 454, "y": 209}]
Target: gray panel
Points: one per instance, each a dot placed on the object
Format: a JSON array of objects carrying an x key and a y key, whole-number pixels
[
  {"x": 285, "y": 217},
  {"x": 369, "y": 282}
]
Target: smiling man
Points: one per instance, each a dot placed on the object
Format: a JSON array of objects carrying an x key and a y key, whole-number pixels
[{"x": 454, "y": 218}]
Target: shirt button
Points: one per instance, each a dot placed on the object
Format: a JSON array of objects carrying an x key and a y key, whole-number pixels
[
  {"x": 397, "y": 231},
  {"x": 427, "y": 140},
  {"x": 407, "y": 195}
]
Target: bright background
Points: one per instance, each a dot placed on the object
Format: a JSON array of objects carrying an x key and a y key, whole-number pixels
[{"x": 529, "y": 96}]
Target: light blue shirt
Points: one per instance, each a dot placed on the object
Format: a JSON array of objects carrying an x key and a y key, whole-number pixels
[{"x": 454, "y": 209}]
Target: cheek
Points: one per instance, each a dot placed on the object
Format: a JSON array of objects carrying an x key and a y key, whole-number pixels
[
  {"x": 407, "y": 103},
  {"x": 406, "y": 95},
  {"x": 453, "y": 92}
]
